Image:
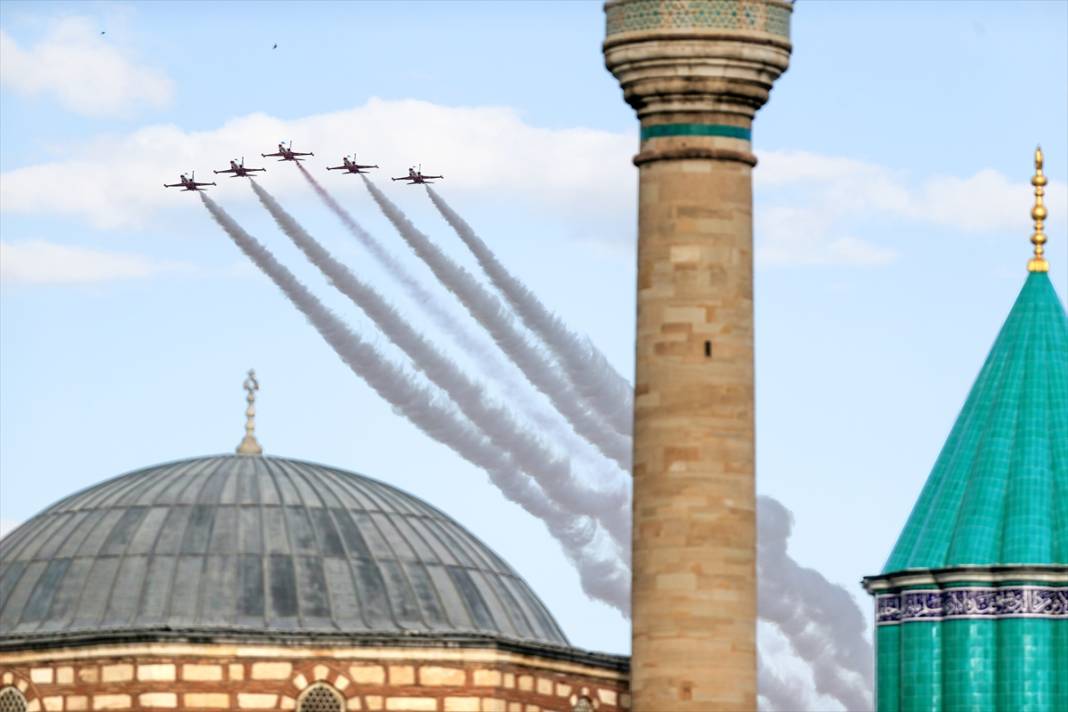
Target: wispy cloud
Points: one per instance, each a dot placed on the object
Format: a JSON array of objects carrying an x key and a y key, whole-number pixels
[
  {"x": 40, "y": 262},
  {"x": 82, "y": 70},
  {"x": 814, "y": 207},
  {"x": 576, "y": 173}
]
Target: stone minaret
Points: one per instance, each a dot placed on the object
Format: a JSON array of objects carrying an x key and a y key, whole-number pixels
[{"x": 696, "y": 71}]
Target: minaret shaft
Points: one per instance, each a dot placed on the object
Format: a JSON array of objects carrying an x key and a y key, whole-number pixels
[
  {"x": 694, "y": 590},
  {"x": 696, "y": 73}
]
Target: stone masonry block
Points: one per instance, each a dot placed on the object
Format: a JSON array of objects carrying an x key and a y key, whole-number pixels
[
  {"x": 117, "y": 673},
  {"x": 111, "y": 702},
  {"x": 272, "y": 670},
  {"x": 412, "y": 704},
  {"x": 256, "y": 701},
  {"x": 488, "y": 678},
  {"x": 401, "y": 675},
  {"x": 156, "y": 672},
  {"x": 158, "y": 699},
  {"x": 211, "y": 700},
  {"x": 192, "y": 671},
  {"x": 462, "y": 704},
  {"x": 434, "y": 675},
  {"x": 42, "y": 675},
  {"x": 367, "y": 674}
]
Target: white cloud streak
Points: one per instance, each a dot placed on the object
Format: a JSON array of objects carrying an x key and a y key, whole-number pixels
[
  {"x": 813, "y": 207},
  {"x": 82, "y": 70},
  {"x": 42, "y": 262}
]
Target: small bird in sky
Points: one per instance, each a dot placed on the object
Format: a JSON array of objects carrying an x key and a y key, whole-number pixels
[
  {"x": 275, "y": 46},
  {"x": 103, "y": 32}
]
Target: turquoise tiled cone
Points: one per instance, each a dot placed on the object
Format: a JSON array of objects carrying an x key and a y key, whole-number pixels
[
  {"x": 998, "y": 493},
  {"x": 997, "y": 496}
]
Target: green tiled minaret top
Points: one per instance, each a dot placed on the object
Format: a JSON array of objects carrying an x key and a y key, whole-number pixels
[{"x": 998, "y": 493}]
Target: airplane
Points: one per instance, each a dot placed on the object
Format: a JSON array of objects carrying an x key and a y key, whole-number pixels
[
  {"x": 239, "y": 170},
  {"x": 350, "y": 166},
  {"x": 286, "y": 153},
  {"x": 416, "y": 176},
  {"x": 187, "y": 183}
]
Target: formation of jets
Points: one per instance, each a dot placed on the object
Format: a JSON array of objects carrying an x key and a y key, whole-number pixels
[{"x": 286, "y": 153}]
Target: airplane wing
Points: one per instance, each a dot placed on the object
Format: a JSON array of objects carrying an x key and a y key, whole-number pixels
[
  {"x": 271, "y": 155},
  {"x": 298, "y": 153},
  {"x": 336, "y": 168},
  {"x": 172, "y": 185},
  {"x": 403, "y": 178},
  {"x": 426, "y": 177},
  {"x": 200, "y": 184},
  {"x": 228, "y": 170}
]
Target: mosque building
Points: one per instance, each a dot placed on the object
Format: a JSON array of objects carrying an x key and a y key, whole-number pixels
[
  {"x": 250, "y": 582},
  {"x": 972, "y": 605}
]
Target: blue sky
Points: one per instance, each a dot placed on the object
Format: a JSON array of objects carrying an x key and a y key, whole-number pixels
[{"x": 892, "y": 217}]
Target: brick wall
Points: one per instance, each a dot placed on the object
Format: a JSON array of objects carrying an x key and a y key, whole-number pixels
[{"x": 229, "y": 677}]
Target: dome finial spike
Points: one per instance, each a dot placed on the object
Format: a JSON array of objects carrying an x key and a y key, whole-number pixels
[
  {"x": 249, "y": 445},
  {"x": 1038, "y": 263}
]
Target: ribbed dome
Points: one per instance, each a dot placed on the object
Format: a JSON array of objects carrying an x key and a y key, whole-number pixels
[
  {"x": 998, "y": 494},
  {"x": 256, "y": 546}
]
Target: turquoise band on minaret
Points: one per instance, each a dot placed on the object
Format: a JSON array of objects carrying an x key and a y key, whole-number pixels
[{"x": 722, "y": 130}]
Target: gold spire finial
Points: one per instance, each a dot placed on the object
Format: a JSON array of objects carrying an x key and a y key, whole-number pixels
[
  {"x": 249, "y": 445},
  {"x": 1038, "y": 263}
]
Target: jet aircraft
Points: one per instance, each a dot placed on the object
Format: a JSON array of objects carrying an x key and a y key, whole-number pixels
[
  {"x": 350, "y": 166},
  {"x": 189, "y": 183},
  {"x": 286, "y": 152},
  {"x": 415, "y": 177},
  {"x": 239, "y": 170}
]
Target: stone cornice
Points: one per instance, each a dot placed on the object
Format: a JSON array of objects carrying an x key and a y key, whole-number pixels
[
  {"x": 921, "y": 578},
  {"x": 340, "y": 646}
]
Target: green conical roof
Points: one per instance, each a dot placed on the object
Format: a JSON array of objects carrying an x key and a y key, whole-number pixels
[{"x": 998, "y": 493}]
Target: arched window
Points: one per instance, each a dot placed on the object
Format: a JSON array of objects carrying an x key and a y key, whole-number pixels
[
  {"x": 318, "y": 698},
  {"x": 11, "y": 700},
  {"x": 583, "y": 705}
]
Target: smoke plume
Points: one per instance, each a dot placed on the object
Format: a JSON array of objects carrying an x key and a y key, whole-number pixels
[
  {"x": 539, "y": 369},
  {"x": 604, "y": 578},
  {"x": 599, "y": 384},
  {"x": 530, "y": 453},
  {"x": 820, "y": 619},
  {"x": 477, "y": 347}
]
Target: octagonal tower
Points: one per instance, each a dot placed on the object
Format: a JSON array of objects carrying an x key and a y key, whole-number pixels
[{"x": 695, "y": 71}]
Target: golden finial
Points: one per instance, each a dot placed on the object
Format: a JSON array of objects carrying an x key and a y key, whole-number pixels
[
  {"x": 249, "y": 446},
  {"x": 1038, "y": 214}
]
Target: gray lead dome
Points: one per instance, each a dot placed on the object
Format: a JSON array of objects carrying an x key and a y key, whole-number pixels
[{"x": 256, "y": 546}]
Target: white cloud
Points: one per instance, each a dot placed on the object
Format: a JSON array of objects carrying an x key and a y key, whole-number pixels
[
  {"x": 83, "y": 70},
  {"x": 40, "y": 262},
  {"x": 812, "y": 207},
  {"x": 117, "y": 181}
]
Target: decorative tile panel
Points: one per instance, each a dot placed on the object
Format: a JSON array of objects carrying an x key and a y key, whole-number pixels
[
  {"x": 750, "y": 15},
  {"x": 972, "y": 602}
]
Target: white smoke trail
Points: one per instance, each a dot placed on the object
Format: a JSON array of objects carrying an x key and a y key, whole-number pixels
[
  {"x": 781, "y": 694},
  {"x": 593, "y": 377},
  {"x": 606, "y": 579},
  {"x": 480, "y": 350},
  {"x": 820, "y": 619},
  {"x": 531, "y": 454},
  {"x": 539, "y": 369}
]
